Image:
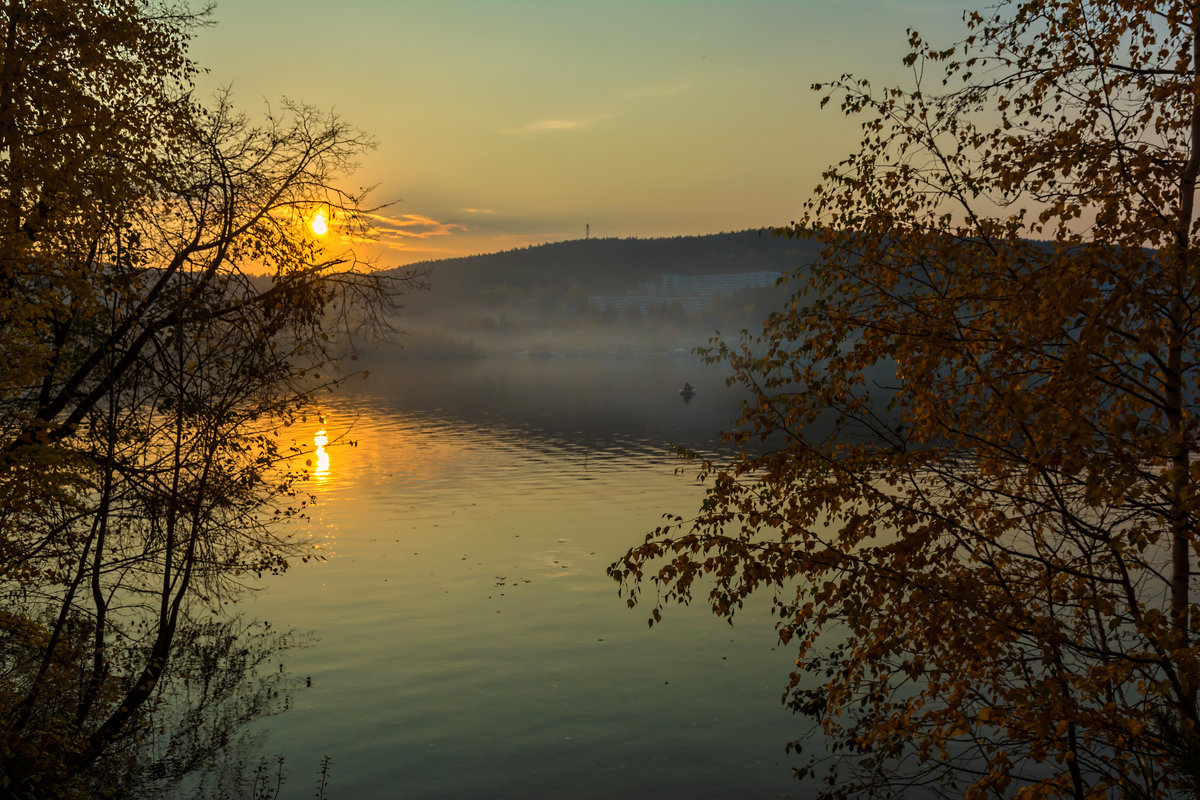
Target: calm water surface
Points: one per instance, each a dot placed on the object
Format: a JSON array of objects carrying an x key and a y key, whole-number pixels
[{"x": 468, "y": 640}]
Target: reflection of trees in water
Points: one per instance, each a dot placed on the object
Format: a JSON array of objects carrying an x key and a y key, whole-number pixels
[
  {"x": 191, "y": 739},
  {"x": 227, "y": 675}
]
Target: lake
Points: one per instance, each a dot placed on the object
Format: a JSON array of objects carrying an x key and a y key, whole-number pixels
[{"x": 468, "y": 642}]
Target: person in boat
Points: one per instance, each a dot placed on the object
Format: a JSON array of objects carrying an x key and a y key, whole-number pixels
[{"x": 687, "y": 388}]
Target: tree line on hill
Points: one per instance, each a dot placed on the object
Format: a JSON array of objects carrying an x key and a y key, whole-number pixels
[{"x": 538, "y": 297}]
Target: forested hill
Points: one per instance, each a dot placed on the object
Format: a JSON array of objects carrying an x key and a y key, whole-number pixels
[
  {"x": 611, "y": 266},
  {"x": 591, "y": 295}
]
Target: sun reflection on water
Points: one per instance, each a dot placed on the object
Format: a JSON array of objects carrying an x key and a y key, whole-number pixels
[{"x": 322, "y": 470}]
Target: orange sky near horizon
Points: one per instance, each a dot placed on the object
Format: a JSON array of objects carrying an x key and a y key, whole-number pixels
[{"x": 505, "y": 124}]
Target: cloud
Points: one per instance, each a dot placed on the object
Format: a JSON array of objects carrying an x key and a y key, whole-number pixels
[
  {"x": 659, "y": 89},
  {"x": 555, "y": 125},
  {"x": 479, "y": 211},
  {"x": 400, "y": 232},
  {"x": 564, "y": 124},
  {"x": 411, "y": 226}
]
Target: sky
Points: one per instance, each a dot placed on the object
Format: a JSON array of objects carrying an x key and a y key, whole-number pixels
[{"x": 505, "y": 124}]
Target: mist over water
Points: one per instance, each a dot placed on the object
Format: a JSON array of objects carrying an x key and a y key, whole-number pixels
[
  {"x": 564, "y": 402},
  {"x": 469, "y": 642}
]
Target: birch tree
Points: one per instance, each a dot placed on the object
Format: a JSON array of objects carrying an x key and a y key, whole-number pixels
[
  {"x": 968, "y": 473},
  {"x": 165, "y": 310}
]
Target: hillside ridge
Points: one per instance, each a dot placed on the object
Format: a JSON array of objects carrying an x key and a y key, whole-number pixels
[{"x": 614, "y": 265}]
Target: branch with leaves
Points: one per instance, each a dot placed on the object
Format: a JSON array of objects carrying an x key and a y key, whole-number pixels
[{"x": 967, "y": 473}]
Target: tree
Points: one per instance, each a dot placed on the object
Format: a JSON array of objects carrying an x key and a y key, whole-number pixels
[
  {"x": 968, "y": 471},
  {"x": 165, "y": 311}
]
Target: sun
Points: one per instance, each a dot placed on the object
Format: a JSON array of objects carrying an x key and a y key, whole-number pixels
[{"x": 319, "y": 225}]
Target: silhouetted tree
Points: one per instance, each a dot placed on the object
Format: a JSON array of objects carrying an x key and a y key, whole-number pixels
[
  {"x": 165, "y": 310},
  {"x": 968, "y": 473}
]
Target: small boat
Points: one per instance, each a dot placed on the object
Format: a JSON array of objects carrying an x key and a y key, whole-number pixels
[{"x": 688, "y": 390}]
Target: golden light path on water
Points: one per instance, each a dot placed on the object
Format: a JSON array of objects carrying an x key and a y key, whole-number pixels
[
  {"x": 321, "y": 473},
  {"x": 460, "y": 611}
]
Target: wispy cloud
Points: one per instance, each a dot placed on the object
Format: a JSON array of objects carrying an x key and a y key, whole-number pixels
[
  {"x": 405, "y": 231},
  {"x": 659, "y": 89},
  {"x": 479, "y": 211},
  {"x": 556, "y": 124},
  {"x": 567, "y": 124},
  {"x": 413, "y": 226}
]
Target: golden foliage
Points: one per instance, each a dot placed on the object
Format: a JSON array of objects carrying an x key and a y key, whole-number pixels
[
  {"x": 164, "y": 310},
  {"x": 968, "y": 472}
]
